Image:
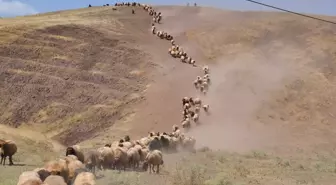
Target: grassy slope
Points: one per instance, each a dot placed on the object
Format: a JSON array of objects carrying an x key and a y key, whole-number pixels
[{"x": 306, "y": 101}]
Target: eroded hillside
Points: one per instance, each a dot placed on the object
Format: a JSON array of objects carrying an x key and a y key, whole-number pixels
[{"x": 72, "y": 74}]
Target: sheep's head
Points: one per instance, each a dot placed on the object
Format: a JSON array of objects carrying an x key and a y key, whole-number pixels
[
  {"x": 108, "y": 145},
  {"x": 121, "y": 141}
]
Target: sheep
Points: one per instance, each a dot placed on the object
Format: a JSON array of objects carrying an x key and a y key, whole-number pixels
[
  {"x": 92, "y": 160},
  {"x": 58, "y": 167},
  {"x": 206, "y": 108},
  {"x": 120, "y": 158},
  {"x": 198, "y": 101},
  {"x": 77, "y": 172},
  {"x": 182, "y": 59},
  {"x": 155, "y": 144},
  {"x": 188, "y": 142},
  {"x": 73, "y": 166},
  {"x": 153, "y": 29},
  {"x": 7, "y": 149},
  {"x": 186, "y": 123},
  {"x": 85, "y": 178},
  {"x": 192, "y": 62},
  {"x": 29, "y": 177},
  {"x": 196, "y": 83},
  {"x": 154, "y": 158},
  {"x": 43, "y": 173},
  {"x": 203, "y": 89},
  {"x": 76, "y": 151},
  {"x": 127, "y": 145},
  {"x": 196, "y": 118},
  {"x": 197, "y": 109},
  {"x": 185, "y": 100},
  {"x": 172, "y": 42},
  {"x": 55, "y": 180},
  {"x": 105, "y": 158},
  {"x": 134, "y": 157},
  {"x": 205, "y": 85},
  {"x": 186, "y": 106},
  {"x": 188, "y": 60},
  {"x": 206, "y": 69}
]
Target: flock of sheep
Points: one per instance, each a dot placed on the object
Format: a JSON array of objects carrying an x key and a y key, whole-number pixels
[
  {"x": 191, "y": 106},
  {"x": 77, "y": 168}
]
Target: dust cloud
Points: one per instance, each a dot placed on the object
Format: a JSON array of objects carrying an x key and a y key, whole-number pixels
[{"x": 237, "y": 91}]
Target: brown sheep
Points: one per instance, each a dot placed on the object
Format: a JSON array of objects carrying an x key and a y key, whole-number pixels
[
  {"x": 55, "y": 180},
  {"x": 29, "y": 178},
  {"x": 105, "y": 158},
  {"x": 153, "y": 158},
  {"x": 120, "y": 158},
  {"x": 85, "y": 178},
  {"x": 76, "y": 151},
  {"x": 92, "y": 160},
  {"x": 7, "y": 149},
  {"x": 134, "y": 156}
]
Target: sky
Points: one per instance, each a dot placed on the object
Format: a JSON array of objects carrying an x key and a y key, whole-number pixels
[{"x": 10, "y": 8}]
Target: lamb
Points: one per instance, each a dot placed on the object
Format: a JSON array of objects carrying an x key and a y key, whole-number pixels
[
  {"x": 54, "y": 180},
  {"x": 120, "y": 158},
  {"x": 85, "y": 178},
  {"x": 154, "y": 158},
  {"x": 7, "y": 149},
  {"x": 92, "y": 160},
  {"x": 76, "y": 151},
  {"x": 134, "y": 156},
  {"x": 195, "y": 83},
  {"x": 105, "y": 158},
  {"x": 29, "y": 177}
]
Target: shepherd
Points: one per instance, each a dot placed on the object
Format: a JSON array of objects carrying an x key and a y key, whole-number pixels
[{"x": 133, "y": 12}]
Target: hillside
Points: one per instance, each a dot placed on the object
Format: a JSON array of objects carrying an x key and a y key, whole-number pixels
[
  {"x": 92, "y": 75},
  {"x": 73, "y": 73}
]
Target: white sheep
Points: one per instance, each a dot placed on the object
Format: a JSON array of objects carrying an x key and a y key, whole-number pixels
[
  {"x": 192, "y": 62},
  {"x": 206, "y": 69},
  {"x": 195, "y": 118},
  {"x": 182, "y": 59},
  {"x": 196, "y": 83},
  {"x": 186, "y": 106},
  {"x": 153, "y": 29},
  {"x": 197, "y": 109},
  {"x": 206, "y": 108},
  {"x": 197, "y": 101},
  {"x": 186, "y": 123}
]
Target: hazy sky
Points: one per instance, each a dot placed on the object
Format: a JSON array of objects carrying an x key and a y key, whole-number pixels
[{"x": 24, "y": 7}]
